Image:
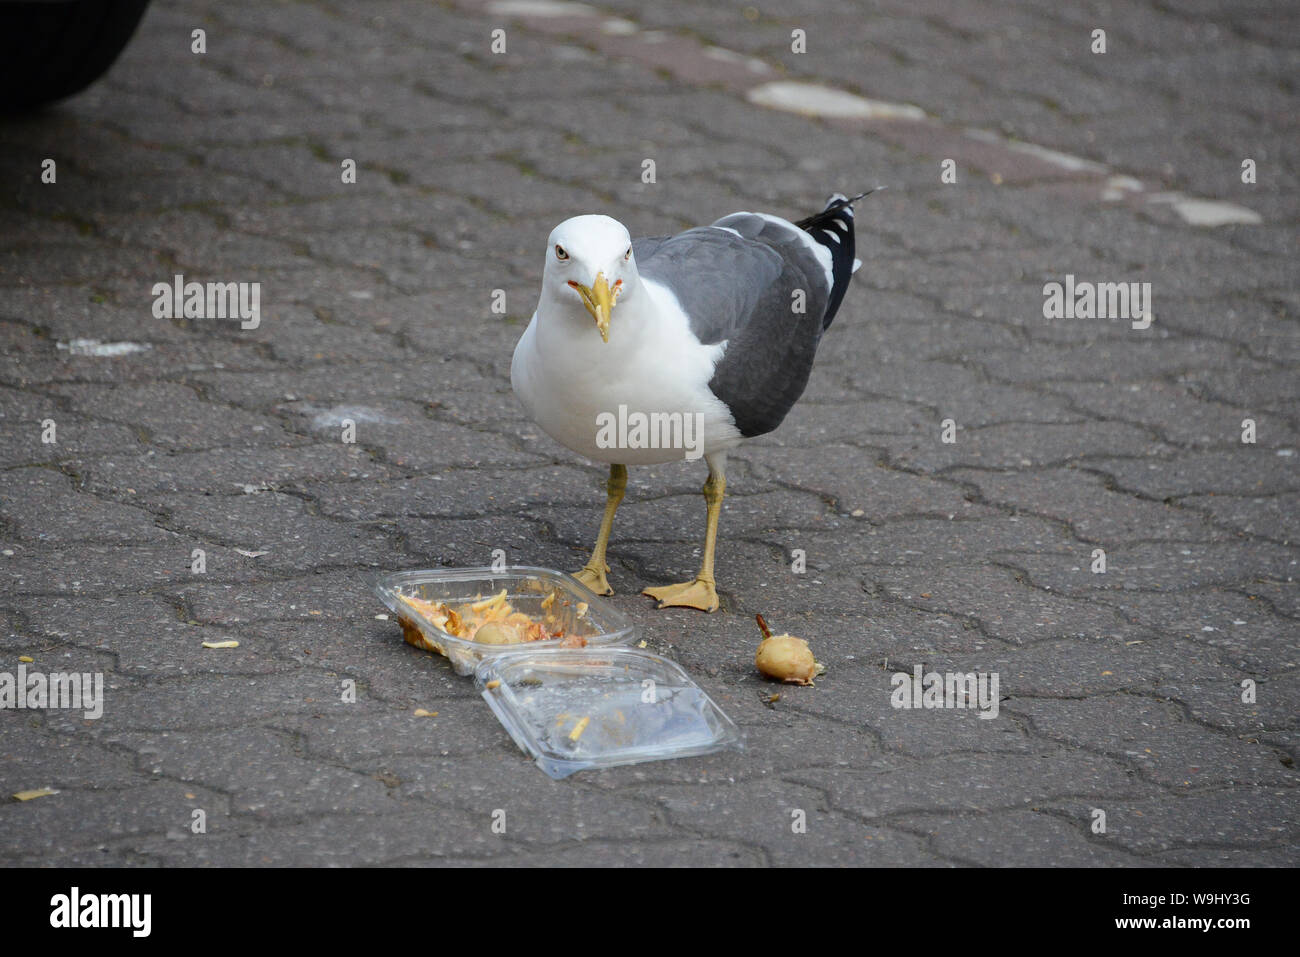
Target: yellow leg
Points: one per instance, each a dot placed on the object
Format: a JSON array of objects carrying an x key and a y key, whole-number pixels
[
  {"x": 592, "y": 574},
  {"x": 700, "y": 592}
]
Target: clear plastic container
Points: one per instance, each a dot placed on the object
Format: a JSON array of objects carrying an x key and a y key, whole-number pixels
[
  {"x": 591, "y": 708},
  {"x": 579, "y": 611}
]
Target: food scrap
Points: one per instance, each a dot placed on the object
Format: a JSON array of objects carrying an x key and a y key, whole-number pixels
[
  {"x": 489, "y": 621},
  {"x": 422, "y": 713},
  {"x": 497, "y": 633},
  {"x": 221, "y": 644},
  {"x": 37, "y": 793},
  {"x": 489, "y": 604},
  {"x": 786, "y": 657},
  {"x": 578, "y": 728}
]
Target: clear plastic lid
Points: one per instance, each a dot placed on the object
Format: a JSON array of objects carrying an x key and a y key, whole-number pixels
[
  {"x": 549, "y": 597},
  {"x": 594, "y": 708}
]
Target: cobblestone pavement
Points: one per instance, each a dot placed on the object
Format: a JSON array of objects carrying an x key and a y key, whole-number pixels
[{"x": 1124, "y": 692}]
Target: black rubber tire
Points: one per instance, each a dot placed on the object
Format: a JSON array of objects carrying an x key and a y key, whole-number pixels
[{"x": 52, "y": 50}]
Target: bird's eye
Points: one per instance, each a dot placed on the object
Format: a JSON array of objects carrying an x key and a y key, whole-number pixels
[
  {"x": 627, "y": 255},
  {"x": 560, "y": 254}
]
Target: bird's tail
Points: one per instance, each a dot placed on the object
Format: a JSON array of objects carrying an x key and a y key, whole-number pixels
[{"x": 833, "y": 228}]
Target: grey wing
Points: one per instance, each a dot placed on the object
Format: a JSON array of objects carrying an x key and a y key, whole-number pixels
[
  {"x": 760, "y": 289},
  {"x": 645, "y": 247}
]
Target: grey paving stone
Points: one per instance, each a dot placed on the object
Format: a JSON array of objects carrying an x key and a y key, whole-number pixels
[
  {"x": 1098, "y": 667},
  {"x": 454, "y": 492},
  {"x": 370, "y": 740},
  {"x": 32, "y": 419},
  {"x": 337, "y": 840},
  {"x": 194, "y": 703},
  {"x": 37, "y": 759},
  {"x": 884, "y": 787},
  {"x": 1095, "y": 513},
  {"x": 92, "y": 569},
  {"x": 788, "y": 822},
  {"x": 370, "y": 653},
  {"x": 1281, "y": 597},
  {"x": 1160, "y": 565},
  {"x": 1203, "y": 856},
  {"x": 1022, "y": 445},
  {"x": 38, "y": 829},
  {"x": 258, "y": 770},
  {"x": 42, "y": 505},
  {"x": 1158, "y": 739},
  {"x": 656, "y": 854},
  {"x": 1247, "y": 633},
  {"x": 280, "y": 532},
  {"x": 175, "y": 417},
  {"x": 146, "y": 636},
  {"x": 1274, "y": 517},
  {"x": 1244, "y": 819},
  {"x": 1020, "y": 838},
  {"x": 330, "y": 594},
  {"x": 248, "y": 471},
  {"x": 1002, "y": 603},
  {"x": 360, "y": 383},
  {"x": 1248, "y": 470}
]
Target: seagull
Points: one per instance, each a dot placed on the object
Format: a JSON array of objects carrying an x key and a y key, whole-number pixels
[{"x": 700, "y": 341}]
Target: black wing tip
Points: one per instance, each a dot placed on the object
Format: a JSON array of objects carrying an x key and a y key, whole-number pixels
[
  {"x": 840, "y": 201},
  {"x": 850, "y": 200},
  {"x": 837, "y": 202},
  {"x": 839, "y": 209}
]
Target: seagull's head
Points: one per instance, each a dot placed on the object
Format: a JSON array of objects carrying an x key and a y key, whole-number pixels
[{"x": 589, "y": 264}]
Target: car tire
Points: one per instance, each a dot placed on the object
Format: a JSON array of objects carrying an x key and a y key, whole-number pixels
[{"x": 49, "y": 51}]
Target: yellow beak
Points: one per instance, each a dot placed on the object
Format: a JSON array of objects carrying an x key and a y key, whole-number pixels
[{"x": 599, "y": 300}]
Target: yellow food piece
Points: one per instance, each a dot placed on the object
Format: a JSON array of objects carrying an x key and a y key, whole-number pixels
[
  {"x": 37, "y": 793},
  {"x": 493, "y": 602},
  {"x": 787, "y": 659},
  {"x": 578, "y": 728},
  {"x": 494, "y": 683},
  {"x": 421, "y": 713},
  {"x": 221, "y": 644}
]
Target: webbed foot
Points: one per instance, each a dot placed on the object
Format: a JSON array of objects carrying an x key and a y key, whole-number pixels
[{"x": 697, "y": 593}]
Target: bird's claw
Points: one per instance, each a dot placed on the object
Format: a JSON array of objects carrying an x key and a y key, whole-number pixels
[
  {"x": 697, "y": 593},
  {"x": 594, "y": 578}
]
